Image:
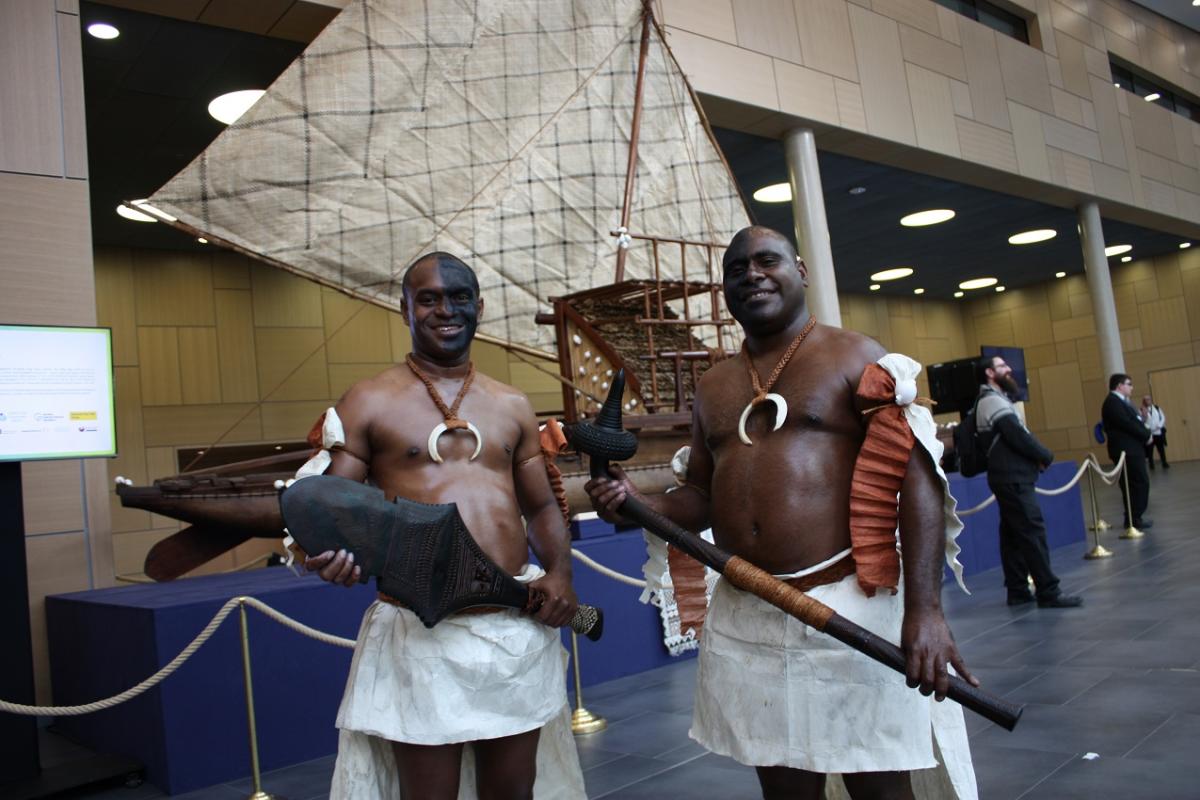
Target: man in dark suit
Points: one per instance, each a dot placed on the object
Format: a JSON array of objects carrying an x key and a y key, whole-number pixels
[{"x": 1126, "y": 433}]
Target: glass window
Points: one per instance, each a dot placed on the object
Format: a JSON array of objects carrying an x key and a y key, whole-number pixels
[
  {"x": 1152, "y": 91},
  {"x": 992, "y": 16}
]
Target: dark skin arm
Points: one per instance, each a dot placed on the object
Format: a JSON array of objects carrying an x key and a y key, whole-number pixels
[
  {"x": 545, "y": 528},
  {"x": 925, "y": 637},
  {"x": 687, "y": 506}
]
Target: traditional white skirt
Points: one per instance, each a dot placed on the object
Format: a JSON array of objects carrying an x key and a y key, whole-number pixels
[
  {"x": 771, "y": 691},
  {"x": 470, "y": 677}
]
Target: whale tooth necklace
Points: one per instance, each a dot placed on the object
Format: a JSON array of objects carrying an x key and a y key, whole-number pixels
[
  {"x": 449, "y": 413},
  {"x": 763, "y": 394}
]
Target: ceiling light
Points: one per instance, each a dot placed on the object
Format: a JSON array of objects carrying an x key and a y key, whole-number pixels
[
  {"x": 857, "y": 190},
  {"x": 1117, "y": 249},
  {"x": 930, "y": 217},
  {"x": 895, "y": 273},
  {"x": 136, "y": 216},
  {"x": 958, "y": 294},
  {"x": 1185, "y": 245},
  {"x": 775, "y": 193},
  {"x": 228, "y": 107},
  {"x": 1150, "y": 98},
  {"x": 102, "y": 30},
  {"x": 1126, "y": 259},
  {"x": 978, "y": 283},
  {"x": 999, "y": 288},
  {"x": 1029, "y": 237},
  {"x": 1116, "y": 84},
  {"x": 918, "y": 291},
  {"x": 874, "y": 287},
  {"x": 142, "y": 205},
  {"x": 1060, "y": 274},
  {"x": 201, "y": 240}
]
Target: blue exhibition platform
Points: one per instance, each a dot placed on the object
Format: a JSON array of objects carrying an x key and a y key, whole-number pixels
[{"x": 191, "y": 732}]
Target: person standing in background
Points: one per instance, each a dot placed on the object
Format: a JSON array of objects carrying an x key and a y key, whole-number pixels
[
  {"x": 1156, "y": 421},
  {"x": 1126, "y": 434}
]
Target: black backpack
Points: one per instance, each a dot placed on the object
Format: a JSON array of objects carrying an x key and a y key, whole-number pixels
[{"x": 972, "y": 454}]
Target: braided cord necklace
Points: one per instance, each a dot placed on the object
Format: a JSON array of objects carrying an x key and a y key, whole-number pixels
[
  {"x": 763, "y": 393},
  {"x": 451, "y": 421}
]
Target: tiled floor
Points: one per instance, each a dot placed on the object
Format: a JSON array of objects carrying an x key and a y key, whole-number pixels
[{"x": 1119, "y": 678}]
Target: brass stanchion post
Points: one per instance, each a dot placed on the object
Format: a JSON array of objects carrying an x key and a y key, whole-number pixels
[
  {"x": 1098, "y": 550},
  {"x": 1098, "y": 523},
  {"x": 258, "y": 793},
  {"x": 1131, "y": 532},
  {"x": 582, "y": 720}
]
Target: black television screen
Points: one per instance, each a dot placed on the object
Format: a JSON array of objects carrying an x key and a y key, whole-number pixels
[
  {"x": 953, "y": 385},
  {"x": 1015, "y": 358}
]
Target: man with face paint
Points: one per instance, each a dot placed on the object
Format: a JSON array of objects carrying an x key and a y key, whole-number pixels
[
  {"x": 777, "y": 485},
  {"x": 435, "y": 431}
]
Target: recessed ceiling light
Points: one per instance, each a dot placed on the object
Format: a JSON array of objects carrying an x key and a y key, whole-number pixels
[
  {"x": 931, "y": 217},
  {"x": 136, "y": 216},
  {"x": 1029, "y": 237},
  {"x": 1150, "y": 98},
  {"x": 999, "y": 288},
  {"x": 874, "y": 287},
  {"x": 201, "y": 240},
  {"x": 142, "y": 205},
  {"x": 1126, "y": 259},
  {"x": 231, "y": 105},
  {"x": 978, "y": 283},
  {"x": 918, "y": 291},
  {"x": 958, "y": 294},
  {"x": 1060, "y": 274},
  {"x": 1116, "y": 84},
  {"x": 775, "y": 193},
  {"x": 102, "y": 30},
  {"x": 1117, "y": 249},
  {"x": 857, "y": 190},
  {"x": 1184, "y": 245},
  {"x": 893, "y": 274}
]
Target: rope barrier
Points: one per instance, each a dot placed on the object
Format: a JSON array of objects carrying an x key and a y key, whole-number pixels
[
  {"x": 1089, "y": 461},
  {"x": 608, "y": 573},
  {"x": 177, "y": 662}
]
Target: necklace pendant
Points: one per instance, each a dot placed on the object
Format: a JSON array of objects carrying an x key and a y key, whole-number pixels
[
  {"x": 441, "y": 428},
  {"x": 781, "y": 412}
]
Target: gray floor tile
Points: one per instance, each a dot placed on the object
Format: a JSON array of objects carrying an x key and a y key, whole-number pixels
[
  {"x": 1004, "y": 773},
  {"x": 1177, "y": 740},
  {"x": 1118, "y": 778}
]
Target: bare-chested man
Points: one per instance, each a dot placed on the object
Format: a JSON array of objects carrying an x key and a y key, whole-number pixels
[
  {"x": 771, "y": 692},
  {"x": 493, "y": 679}
]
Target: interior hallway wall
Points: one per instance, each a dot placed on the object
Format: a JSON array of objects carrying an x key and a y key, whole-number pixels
[
  {"x": 1158, "y": 312},
  {"x": 917, "y": 85},
  {"x": 46, "y": 279}
]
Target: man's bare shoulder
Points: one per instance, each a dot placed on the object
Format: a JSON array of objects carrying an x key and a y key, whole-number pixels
[
  {"x": 509, "y": 396},
  {"x": 720, "y": 374},
  {"x": 854, "y": 350},
  {"x": 377, "y": 388}
]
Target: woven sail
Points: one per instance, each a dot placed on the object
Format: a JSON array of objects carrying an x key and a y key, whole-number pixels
[{"x": 497, "y": 130}]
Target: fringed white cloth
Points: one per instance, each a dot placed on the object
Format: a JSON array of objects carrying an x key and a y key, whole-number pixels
[
  {"x": 470, "y": 677},
  {"x": 905, "y": 371},
  {"x": 660, "y": 589},
  {"x": 771, "y": 691}
]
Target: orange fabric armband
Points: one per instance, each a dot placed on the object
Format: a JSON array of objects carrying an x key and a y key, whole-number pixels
[{"x": 878, "y": 474}]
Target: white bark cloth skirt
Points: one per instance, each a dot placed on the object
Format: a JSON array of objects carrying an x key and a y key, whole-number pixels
[
  {"x": 772, "y": 691},
  {"x": 470, "y": 677}
]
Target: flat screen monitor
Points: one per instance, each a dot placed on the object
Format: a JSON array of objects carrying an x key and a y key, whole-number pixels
[
  {"x": 1015, "y": 358},
  {"x": 953, "y": 385},
  {"x": 56, "y": 393}
]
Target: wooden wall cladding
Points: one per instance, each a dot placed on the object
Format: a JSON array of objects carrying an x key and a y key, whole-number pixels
[{"x": 912, "y": 73}]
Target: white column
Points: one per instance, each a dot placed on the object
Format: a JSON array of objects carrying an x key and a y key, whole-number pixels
[
  {"x": 812, "y": 229},
  {"x": 1104, "y": 309}
]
